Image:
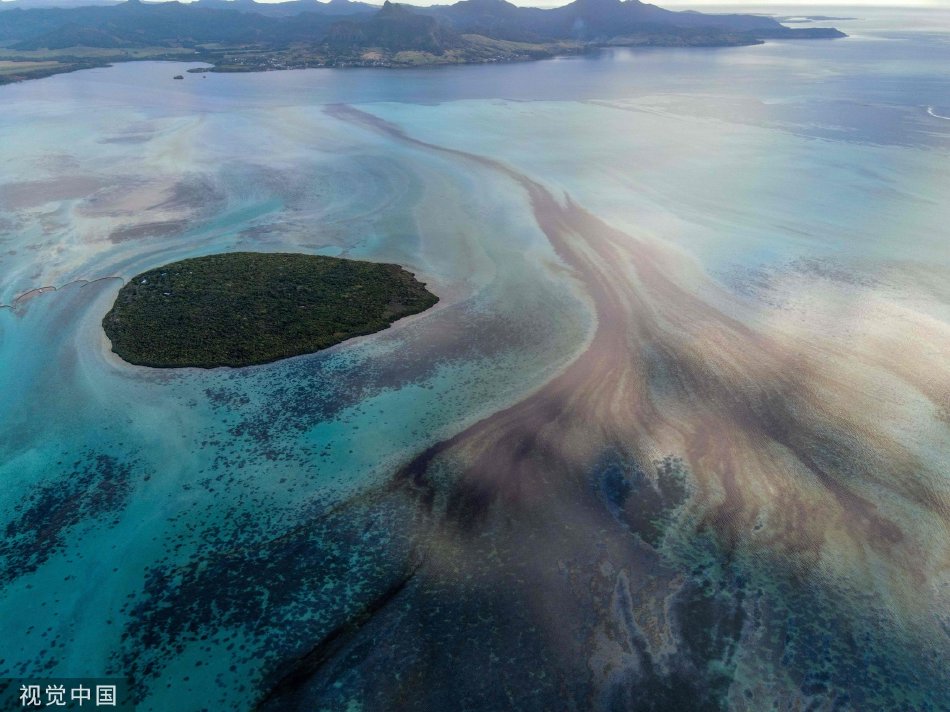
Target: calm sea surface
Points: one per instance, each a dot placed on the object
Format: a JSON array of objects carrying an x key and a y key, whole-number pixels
[{"x": 791, "y": 202}]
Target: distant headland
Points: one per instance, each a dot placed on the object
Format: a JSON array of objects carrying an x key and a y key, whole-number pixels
[
  {"x": 245, "y": 308},
  {"x": 37, "y": 40}
]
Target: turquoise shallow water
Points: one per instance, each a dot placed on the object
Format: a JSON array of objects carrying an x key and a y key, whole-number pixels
[
  {"x": 292, "y": 437},
  {"x": 765, "y": 168}
]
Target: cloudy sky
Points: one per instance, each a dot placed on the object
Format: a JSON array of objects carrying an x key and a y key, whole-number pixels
[
  {"x": 736, "y": 5},
  {"x": 793, "y": 3},
  {"x": 733, "y": 5},
  {"x": 727, "y": 4},
  {"x": 739, "y": 4}
]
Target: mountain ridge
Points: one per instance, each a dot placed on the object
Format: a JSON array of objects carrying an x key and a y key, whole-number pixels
[{"x": 243, "y": 35}]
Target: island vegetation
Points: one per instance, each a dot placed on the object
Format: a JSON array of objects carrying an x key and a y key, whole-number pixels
[
  {"x": 245, "y": 308},
  {"x": 246, "y": 36}
]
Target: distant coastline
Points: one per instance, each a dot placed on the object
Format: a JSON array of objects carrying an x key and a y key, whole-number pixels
[{"x": 245, "y": 36}]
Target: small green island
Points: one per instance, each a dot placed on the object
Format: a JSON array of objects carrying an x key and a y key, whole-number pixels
[{"x": 246, "y": 308}]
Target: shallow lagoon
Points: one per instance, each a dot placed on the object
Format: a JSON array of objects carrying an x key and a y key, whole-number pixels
[{"x": 795, "y": 189}]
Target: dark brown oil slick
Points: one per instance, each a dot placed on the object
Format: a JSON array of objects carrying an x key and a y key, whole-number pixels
[{"x": 696, "y": 513}]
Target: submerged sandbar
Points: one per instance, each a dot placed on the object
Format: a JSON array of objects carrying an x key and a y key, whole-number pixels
[{"x": 246, "y": 308}]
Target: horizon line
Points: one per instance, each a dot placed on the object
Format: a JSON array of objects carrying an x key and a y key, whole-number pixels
[{"x": 749, "y": 5}]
